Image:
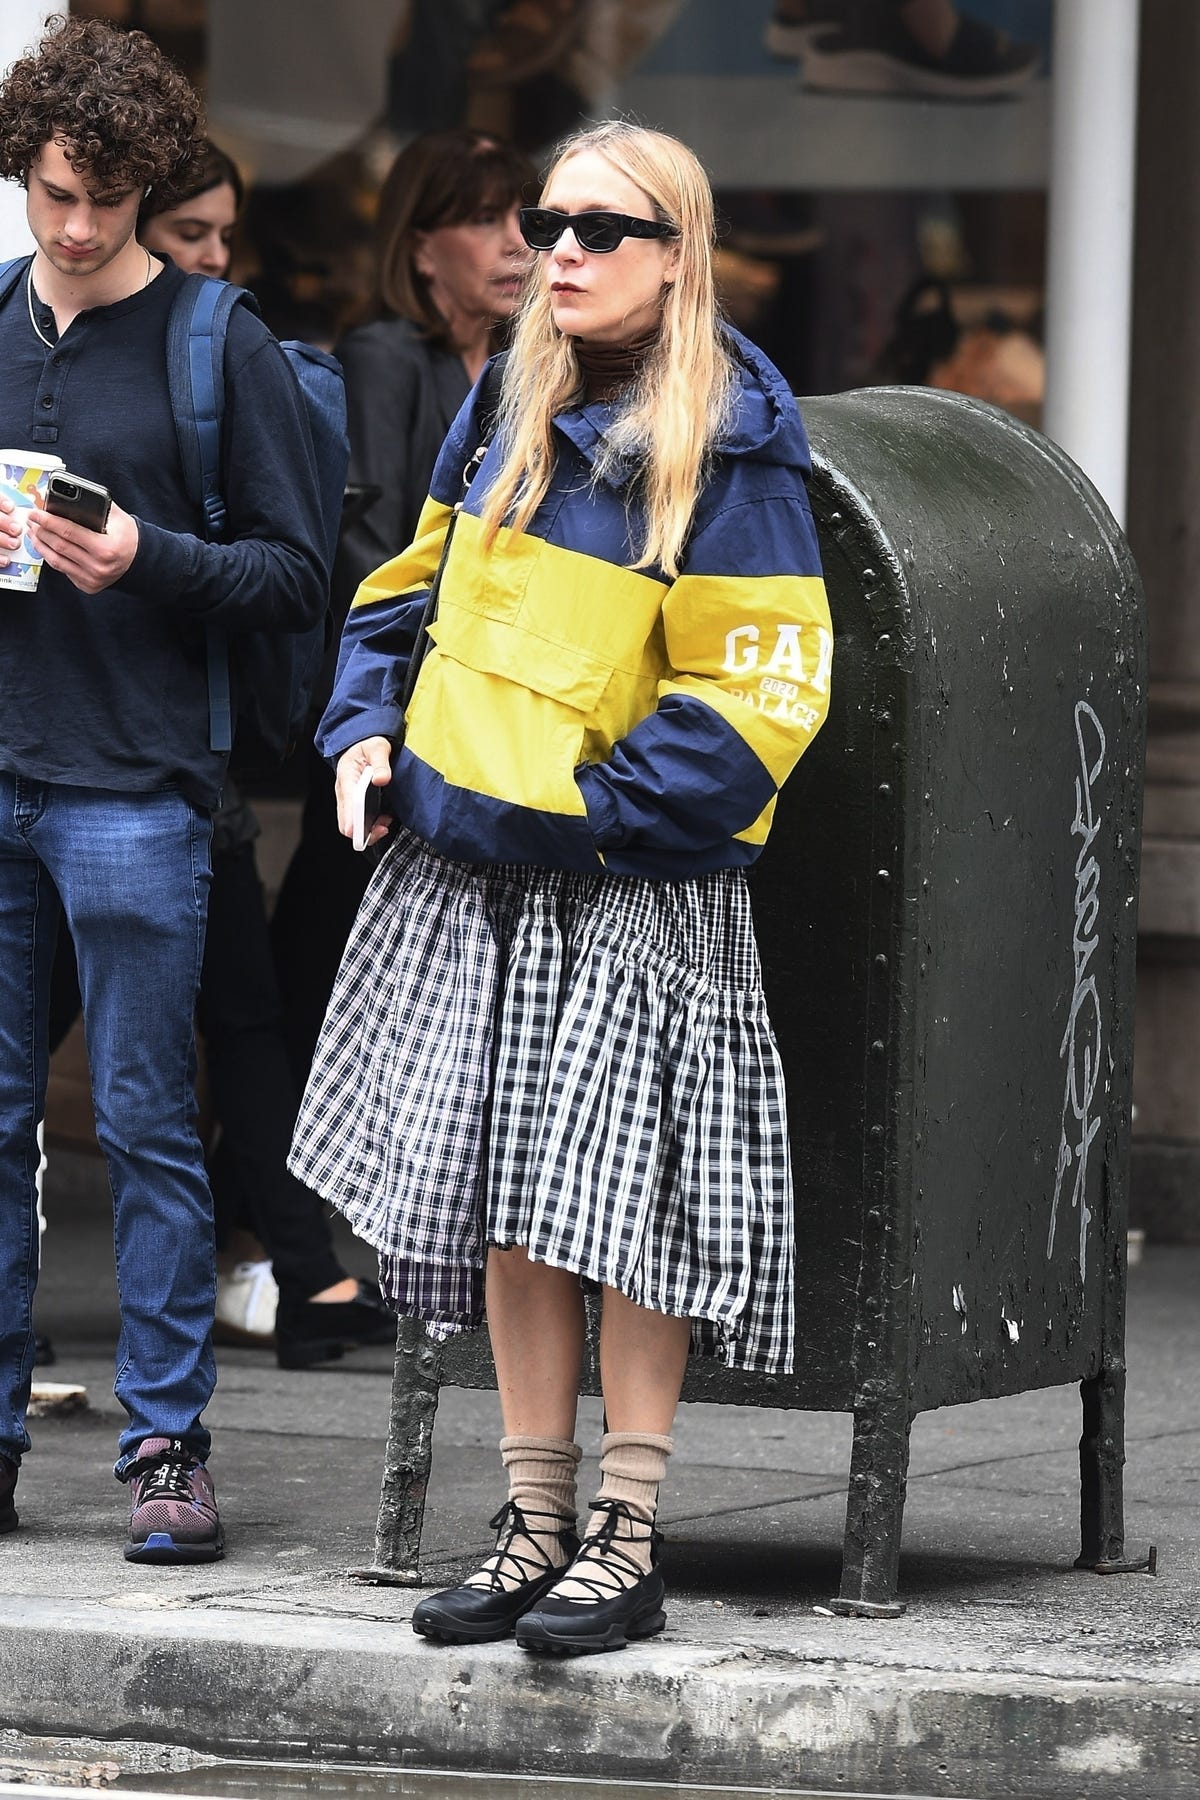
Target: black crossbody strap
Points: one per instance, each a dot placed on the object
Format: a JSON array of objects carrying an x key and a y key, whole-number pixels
[{"x": 489, "y": 413}]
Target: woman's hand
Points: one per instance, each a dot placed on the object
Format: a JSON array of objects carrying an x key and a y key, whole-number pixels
[
  {"x": 375, "y": 754},
  {"x": 93, "y": 560}
]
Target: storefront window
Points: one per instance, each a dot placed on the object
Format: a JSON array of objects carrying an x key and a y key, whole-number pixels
[{"x": 880, "y": 165}]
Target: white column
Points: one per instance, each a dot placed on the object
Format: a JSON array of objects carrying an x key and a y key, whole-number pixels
[
  {"x": 20, "y": 27},
  {"x": 1090, "y": 253}
]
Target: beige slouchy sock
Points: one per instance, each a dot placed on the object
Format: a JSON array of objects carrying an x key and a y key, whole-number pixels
[
  {"x": 632, "y": 1465},
  {"x": 541, "y": 1481}
]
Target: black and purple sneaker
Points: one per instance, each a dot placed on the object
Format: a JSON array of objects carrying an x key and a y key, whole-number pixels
[{"x": 173, "y": 1516}]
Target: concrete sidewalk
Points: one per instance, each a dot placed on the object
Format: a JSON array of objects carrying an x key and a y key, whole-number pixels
[{"x": 1010, "y": 1674}]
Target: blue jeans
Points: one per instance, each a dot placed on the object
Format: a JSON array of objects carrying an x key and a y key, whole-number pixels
[{"x": 132, "y": 872}]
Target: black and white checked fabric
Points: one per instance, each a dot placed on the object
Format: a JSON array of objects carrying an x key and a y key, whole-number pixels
[{"x": 582, "y": 1065}]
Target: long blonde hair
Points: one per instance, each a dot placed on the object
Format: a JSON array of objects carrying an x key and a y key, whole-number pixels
[{"x": 683, "y": 396}]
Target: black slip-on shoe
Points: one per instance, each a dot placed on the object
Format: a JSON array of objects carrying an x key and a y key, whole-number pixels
[
  {"x": 318, "y": 1331},
  {"x": 8, "y": 1484},
  {"x": 478, "y": 1615}
]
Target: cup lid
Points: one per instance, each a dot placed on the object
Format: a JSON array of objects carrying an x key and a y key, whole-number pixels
[{"x": 32, "y": 459}]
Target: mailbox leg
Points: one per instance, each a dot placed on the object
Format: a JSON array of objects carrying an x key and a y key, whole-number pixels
[
  {"x": 416, "y": 1379},
  {"x": 875, "y": 1511},
  {"x": 1101, "y": 1462}
]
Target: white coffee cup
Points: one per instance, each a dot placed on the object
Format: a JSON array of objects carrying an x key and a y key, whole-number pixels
[{"x": 24, "y": 474}]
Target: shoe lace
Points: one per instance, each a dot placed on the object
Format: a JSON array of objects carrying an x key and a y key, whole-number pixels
[
  {"x": 506, "y": 1563},
  {"x": 602, "y": 1567},
  {"x": 165, "y": 1475}
]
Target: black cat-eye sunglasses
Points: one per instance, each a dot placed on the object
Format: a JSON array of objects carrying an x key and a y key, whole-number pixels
[{"x": 599, "y": 232}]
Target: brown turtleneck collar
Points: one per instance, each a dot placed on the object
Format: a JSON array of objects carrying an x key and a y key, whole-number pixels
[{"x": 607, "y": 368}]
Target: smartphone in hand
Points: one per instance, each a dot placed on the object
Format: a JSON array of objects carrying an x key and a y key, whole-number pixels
[
  {"x": 73, "y": 497},
  {"x": 366, "y": 803}
]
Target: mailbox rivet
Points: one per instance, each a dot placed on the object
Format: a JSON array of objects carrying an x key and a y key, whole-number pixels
[
  {"x": 874, "y": 1215},
  {"x": 881, "y": 961},
  {"x": 884, "y": 639},
  {"x": 884, "y": 875},
  {"x": 835, "y": 518},
  {"x": 877, "y": 1048},
  {"x": 869, "y": 575},
  {"x": 885, "y": 789},
  {"x": 877, "y": 1132}
]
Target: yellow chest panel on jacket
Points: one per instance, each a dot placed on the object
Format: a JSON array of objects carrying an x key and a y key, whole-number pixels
[{"x": 544, "y": 658}]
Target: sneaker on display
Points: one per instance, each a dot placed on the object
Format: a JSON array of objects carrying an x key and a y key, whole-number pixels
[{"x": 874, "y": 52}]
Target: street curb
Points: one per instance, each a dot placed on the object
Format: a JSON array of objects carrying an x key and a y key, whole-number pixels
[{"x": 243, "y": 1683}]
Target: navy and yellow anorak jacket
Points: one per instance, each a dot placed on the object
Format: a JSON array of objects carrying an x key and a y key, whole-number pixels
[{"x": 576, "y": 712}]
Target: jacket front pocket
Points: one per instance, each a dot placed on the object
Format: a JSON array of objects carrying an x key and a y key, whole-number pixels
[
  {"x": 503, "y": 718},
  {"x": 560, "y": 672}
]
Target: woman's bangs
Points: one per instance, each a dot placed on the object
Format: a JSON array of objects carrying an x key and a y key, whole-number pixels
[{"x": 492, "y": 180}]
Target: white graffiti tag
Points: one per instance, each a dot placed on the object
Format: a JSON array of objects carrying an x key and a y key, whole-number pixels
[{"x": 1083, "y": 1037}]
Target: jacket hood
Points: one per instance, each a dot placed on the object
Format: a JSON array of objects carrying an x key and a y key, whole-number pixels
[{"x": 765, "y": 425}]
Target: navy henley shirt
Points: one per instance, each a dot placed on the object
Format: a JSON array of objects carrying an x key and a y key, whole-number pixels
[{"x": 110, "y": 690}]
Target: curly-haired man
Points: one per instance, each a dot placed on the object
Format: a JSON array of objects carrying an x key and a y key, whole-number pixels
[{"x": 107, "y": 779}]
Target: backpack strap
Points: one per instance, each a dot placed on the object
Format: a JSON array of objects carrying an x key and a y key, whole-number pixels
[
  {"x": 196, "y": 331},
  {"x": 11, "y": 273}
]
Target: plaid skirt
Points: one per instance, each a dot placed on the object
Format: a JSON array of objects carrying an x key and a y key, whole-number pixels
[{"x": 581, "y": 1065}]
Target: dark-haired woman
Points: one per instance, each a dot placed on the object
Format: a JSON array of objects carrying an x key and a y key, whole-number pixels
[
  {"x": 449, "y": 263},
  {"x": 196, "y": 232},
  {"x": 303, "y": 1296}
]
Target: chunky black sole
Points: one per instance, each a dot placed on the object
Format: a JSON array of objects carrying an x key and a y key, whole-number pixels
[
  {"x": 568, "y": 1628},
  {"x": 465, "y": 1615}
]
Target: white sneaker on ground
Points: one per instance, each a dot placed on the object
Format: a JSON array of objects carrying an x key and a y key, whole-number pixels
[{"x": 246, "y": 1301}]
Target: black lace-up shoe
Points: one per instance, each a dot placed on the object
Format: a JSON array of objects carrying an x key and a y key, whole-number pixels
[
  {"x": 320, "y": 1330},
  {"x": 8, "y": 1483},
  {"x": 483, "y": 1608},
  {"x": 622, "y": 1601}
]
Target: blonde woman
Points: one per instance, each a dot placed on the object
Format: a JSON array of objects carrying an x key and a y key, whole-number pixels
[{"x": 547, "y": 1059}]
